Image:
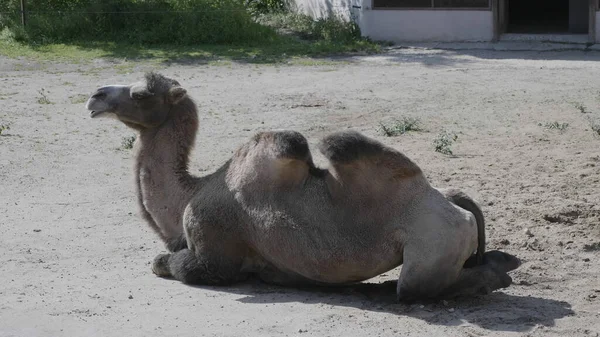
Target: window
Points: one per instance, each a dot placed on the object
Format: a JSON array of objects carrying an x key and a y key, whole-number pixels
[
  {"x": 431, "y": 3},
  {"x": 402, "y": 3},
  {"x": 461, "y": 3}
]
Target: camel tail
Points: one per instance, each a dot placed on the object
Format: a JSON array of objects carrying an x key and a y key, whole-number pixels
[{"x": 465, "y": 202}]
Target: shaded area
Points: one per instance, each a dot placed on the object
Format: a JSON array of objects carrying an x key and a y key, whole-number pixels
[{"x": 511, "y": 312}]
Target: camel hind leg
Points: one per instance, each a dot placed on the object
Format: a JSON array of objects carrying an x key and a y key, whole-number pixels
[
  {"x": 428, "y": 275},
  {"x": 462, "y": 200}
]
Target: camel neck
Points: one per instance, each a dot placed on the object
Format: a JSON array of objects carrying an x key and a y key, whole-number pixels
[{"x": 164, "y": 185}]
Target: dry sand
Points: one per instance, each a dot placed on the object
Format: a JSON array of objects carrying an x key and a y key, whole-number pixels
[{"x": 74, "y": 254}]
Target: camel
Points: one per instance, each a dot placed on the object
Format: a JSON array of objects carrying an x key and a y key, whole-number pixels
[{"x": 270, "y": 213}]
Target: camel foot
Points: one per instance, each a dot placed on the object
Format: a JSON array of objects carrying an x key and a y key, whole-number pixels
[{"x": 160, "y": 265}]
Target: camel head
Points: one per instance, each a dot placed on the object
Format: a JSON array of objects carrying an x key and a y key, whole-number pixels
[{"x": 141, "y": 105}]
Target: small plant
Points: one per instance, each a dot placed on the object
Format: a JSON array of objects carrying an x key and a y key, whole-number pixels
[
  {"x": 4, "y": 127},
  {"x": 592, "y": 247},
  {"x": 443, "y": 141},
  {"x": 43, "y": 99},
  {"x": 595, "y": 125},
  {"x": 78, "y": 99},
  {"x": 556, "y": 126},
  {"x": 581, "y": 108},
  {"x": 127, "y": 142},
  {"x": 400, "y": 127}
]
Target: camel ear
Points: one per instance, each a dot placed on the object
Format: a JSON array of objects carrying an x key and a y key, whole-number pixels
[{"x": 176, "y": 94}]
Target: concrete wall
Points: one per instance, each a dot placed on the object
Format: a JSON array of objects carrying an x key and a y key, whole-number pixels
[
  {"x": 405, "y": 25},
  {"x": 324, "y": 8},
  {"x": 426, "y": 25}
]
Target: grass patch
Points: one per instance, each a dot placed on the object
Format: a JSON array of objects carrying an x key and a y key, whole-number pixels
[
  {"x": 443, "y": 142},
  {"x": 78, "y": 99},
  {"x": 582, "y": 108},
  {"x": 594, "y": 125},
  {"x": 43, "y": 98},
  {"x": 290, "y": 38},
  {"x": 127, "y": 142},
  {"x": 592, "y": 247},
  {"x": 399, "y": 127},
  {"x": 284, "y": 50},
  {"x": 4, "y": 127},
  {"x": 556, "y": 126}
]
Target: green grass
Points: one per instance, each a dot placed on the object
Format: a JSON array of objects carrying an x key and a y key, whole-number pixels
[
  {"x": 4, "y": 127},
  {"x": 443, "y": 142},
  {"x": 78, "y": 99},
  {"x": 295, "y": 37},
  {"x": 399, "y": 127},
  {"x": 127, "y": 142},
  {"x": 595, "y": 125},
  {"x": 556, "y": 126},
  {"x": 282, "y": 51}
]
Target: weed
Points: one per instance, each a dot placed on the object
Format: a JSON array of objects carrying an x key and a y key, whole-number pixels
[
  {"x": 592, "y": 247},
  {"x": 43, "y": 99},
  {"x": 127, "y": 142},
  {"x": 400, "y": 127},
  {"x": 556, "y": 126},
  {"x": 4, "y": 127},
  {"x": 443, "y": 141},
  {"x": 581, "y": 108},
  {"x": 78, "y": 99},
  {"x": 595, "y": 125}
]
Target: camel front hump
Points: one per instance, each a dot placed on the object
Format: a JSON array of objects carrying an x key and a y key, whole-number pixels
[{"x": 271, "y": 161}]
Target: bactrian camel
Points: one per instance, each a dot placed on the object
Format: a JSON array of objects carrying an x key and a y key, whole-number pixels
[{"x": 270, "y": 212}]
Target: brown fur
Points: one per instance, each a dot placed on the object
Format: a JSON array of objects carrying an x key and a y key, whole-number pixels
[{"x": 270, "y": 212}]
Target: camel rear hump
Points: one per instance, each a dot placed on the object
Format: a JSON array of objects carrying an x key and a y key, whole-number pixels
[{"x": 364, "y": 167}]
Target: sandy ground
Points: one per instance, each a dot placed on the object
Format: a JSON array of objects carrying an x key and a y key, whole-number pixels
[{"x": 74, "y": 254}]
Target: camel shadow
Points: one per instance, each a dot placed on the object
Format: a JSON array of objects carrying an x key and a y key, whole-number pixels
[{"x": 496, "y": 312}]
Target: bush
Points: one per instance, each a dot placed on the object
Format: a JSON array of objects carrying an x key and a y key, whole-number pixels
[
  {"x": 332, "y": 29},
  {"x": 184, "y": 22}
]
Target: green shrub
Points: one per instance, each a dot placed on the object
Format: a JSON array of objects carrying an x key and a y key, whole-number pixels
[
  {"x": 333, "y": 29},
  {"x": 182, "y": 22}
]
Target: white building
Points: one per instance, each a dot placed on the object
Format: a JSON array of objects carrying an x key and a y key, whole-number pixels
[{"x": 466, "y": 20}]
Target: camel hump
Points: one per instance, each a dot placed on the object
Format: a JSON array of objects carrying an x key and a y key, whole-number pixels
[
  {"x": 272, "y": 160},
  {"x": 352, "y": 151},
  {"x": 285, "y": 144}
]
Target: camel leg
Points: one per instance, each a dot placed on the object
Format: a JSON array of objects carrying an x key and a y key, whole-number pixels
[
  {"x": 176, "y": 244},
  {"x": 442, "y": 281},
  {"x": 483, "y": 279},
  {"x": 191, "y": 268}
]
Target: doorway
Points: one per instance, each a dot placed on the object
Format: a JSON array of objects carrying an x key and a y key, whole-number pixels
[{"x": 553, "y": 18}]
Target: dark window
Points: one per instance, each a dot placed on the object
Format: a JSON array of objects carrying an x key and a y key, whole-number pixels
[
  {"x": 428, "y": 3},
  {"x": 461, "y": 3},
  {"x": 402, "y": 3}
]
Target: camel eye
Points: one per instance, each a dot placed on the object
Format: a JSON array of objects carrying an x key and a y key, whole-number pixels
[{"x": 141, "y": 95}]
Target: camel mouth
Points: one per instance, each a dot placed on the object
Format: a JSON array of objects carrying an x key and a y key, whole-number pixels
[
  {"x": 94, "y": 113},
  {"x": 100, "y": 113}
]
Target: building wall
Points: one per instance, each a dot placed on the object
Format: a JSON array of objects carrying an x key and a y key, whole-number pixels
[
  {"x": 405, "y": 25},
  {"x": 427, "y": 25},
  {"x": 324, "y": 8}
]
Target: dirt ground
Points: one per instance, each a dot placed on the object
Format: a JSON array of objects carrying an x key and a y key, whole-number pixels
[{"x": 75, "y": 256}]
